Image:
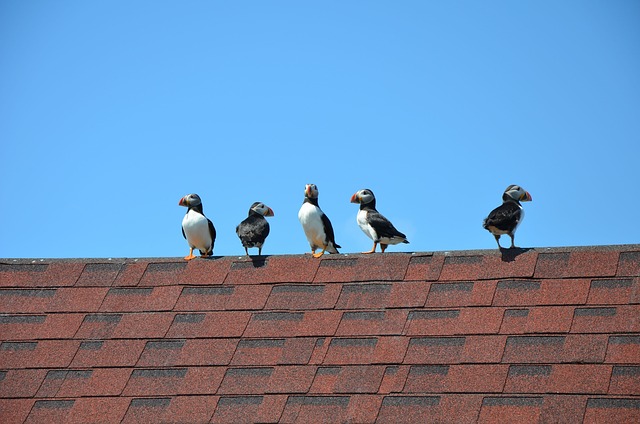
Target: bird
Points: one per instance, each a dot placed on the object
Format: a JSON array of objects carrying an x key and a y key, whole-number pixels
[
  {"x": 505, "y": 218},
  {"x": 253, "y": 231},
  {"x": 316, "y": 224},
  {"x": 197, "y": 229},
  {"x": 373, "y": 224}
]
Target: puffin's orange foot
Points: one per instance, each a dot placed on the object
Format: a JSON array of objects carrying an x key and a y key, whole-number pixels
[
  {"x": 383, "y": 247},
  {"x": 317, "y": 255},
  {"x": 373, "y": 249},
  {"x": 191, "y": 255}
]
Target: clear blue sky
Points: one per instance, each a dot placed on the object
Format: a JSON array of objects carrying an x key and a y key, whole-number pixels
[{"x": 111, "y": 111}]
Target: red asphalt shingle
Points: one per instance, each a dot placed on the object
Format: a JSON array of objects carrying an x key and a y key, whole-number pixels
[{"x": 522, "y": 335}]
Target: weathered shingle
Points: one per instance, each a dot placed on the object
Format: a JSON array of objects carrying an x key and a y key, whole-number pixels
[{"x": 522, "y": 335}]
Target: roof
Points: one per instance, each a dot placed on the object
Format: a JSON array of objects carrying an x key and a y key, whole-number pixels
[{"x": 549, "y": 335}]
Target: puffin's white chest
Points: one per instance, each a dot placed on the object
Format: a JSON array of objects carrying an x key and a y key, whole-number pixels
[
  {"x": 196, "y": 229},
  {"x": 520, "y": 218},
  {"x": 310, "y": 217},
  {"x": 364, "y": 225}
]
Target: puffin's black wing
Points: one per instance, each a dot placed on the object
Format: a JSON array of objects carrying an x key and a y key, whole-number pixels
[
  {"x": 253, "y": 230},
  {"x": 183, "y": 234},
  {"x": 505, "y": 217},
  {"x": 212, "y": 231},
  {"x": 328, "y": 231},
  {"x": 382, "y": 225}
]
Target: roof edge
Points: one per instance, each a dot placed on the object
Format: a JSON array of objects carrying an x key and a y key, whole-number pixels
[{"x": 476, "y": 252}]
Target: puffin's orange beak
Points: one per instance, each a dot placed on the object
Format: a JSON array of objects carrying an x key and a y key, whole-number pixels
[
  {"x": 527, "y": 197},
  {"x": 307, "y": 190},
  {"x": 269, "y": 212},
  {"x": 182, "y": 202},
  {"x": 355, "y": 199}
]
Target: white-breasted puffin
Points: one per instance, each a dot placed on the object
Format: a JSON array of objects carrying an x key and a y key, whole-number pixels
[
  {"x": 316, "y": 224},
  {"x": 197, "y": 228},
  {"x": 505, "y": 218},
  {"x": 254, "y": 230},
  {"x": 373, "y": 224}
]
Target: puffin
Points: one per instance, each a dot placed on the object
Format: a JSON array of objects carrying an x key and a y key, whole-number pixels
[
  {"x": 253, "y": 231},
  {"x": 197, "y": 229},
  {"x": 505, "y": 218},
  {"x": 373, "y": 224},
  {"x": 316, "y": 224}
]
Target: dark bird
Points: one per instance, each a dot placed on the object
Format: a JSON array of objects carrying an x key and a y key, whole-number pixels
[
  {"x": 254, "y": 230},
  {"x": 315, "y": 223},
  {"x": 505, "y": 218},
  {"x": 197, "y": 228},
  {"x": 375, "y": 226}
]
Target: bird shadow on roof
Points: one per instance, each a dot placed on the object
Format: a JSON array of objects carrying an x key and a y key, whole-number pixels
[
  {"x": 247, "y": 262},
  {"x": 258, "y": 261},
  {"x": 510, "y": 255}
]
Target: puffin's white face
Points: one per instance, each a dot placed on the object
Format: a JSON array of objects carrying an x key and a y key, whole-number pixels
[
  {"x": 517, "y": 193},
  {"x": 262, "y": 209},
  {"x": 363, "y": 196},
  {"x": 311, "y": 191},
  {"x": 190, "y": 200}
]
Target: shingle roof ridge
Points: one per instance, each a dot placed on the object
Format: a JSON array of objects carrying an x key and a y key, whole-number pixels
[{"x": 464, "y": 252}]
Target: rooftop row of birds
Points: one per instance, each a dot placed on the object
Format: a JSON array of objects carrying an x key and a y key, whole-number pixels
[{"x": 200, "y": 233}]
